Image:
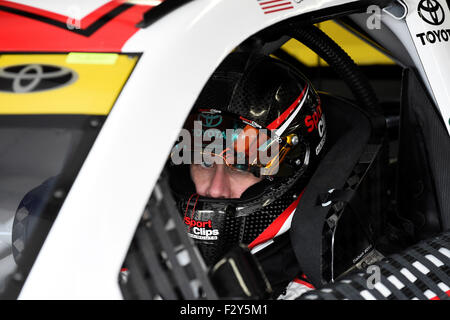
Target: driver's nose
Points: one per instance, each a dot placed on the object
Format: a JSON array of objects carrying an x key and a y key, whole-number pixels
[{"x": 220, "y": 185}]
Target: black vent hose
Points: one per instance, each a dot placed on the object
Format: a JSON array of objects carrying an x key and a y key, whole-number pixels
[{"x": 338, "y": 59}]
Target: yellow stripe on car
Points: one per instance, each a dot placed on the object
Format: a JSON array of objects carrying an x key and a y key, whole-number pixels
[
  {"x": 98, "y": 80},
  {"x": 361, "y": 52}
]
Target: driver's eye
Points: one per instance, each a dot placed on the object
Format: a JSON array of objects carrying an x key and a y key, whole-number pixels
[
  {"x": 207, "y": 165},
  {"x": 240, "y": 167}
]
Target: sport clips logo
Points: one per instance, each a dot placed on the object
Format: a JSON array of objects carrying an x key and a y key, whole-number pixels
[{"x": 201, "y": 230}]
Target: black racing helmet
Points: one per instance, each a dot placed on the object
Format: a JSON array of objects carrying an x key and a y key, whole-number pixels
[{"x": 264, "y": 102}]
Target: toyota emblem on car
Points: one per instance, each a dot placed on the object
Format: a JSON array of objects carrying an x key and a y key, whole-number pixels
[
  {"x": 431, "y": 12},
  {"x": 28, "y": 78}
]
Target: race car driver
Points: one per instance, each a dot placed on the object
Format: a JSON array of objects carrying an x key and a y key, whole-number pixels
[{"x": 246, "y": 152}]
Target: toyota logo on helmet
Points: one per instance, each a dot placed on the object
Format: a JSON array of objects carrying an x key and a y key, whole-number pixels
[{"x": 210, "y": 119}]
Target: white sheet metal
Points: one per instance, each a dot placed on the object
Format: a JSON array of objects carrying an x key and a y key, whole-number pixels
[
  {"x": 429, "y": 24},
  {"x": 84, "y": 251}
]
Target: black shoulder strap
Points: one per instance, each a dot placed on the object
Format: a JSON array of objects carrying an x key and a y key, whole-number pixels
[{"x": 333, "y": 172}]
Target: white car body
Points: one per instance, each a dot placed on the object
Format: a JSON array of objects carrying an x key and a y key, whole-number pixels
[{"x": 85, "y": 249}]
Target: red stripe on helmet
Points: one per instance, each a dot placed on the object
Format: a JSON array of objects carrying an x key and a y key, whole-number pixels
[{"x": 278, "y": 121}]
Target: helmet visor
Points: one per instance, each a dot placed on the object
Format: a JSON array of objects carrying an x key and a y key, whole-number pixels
[{"x": 212, "y": 136}]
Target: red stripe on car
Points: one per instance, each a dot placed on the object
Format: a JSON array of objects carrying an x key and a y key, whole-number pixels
[{"x": 19, "y": 32}]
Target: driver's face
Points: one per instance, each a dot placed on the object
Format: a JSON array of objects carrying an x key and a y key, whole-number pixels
[{"x": 220, "y": 181}]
